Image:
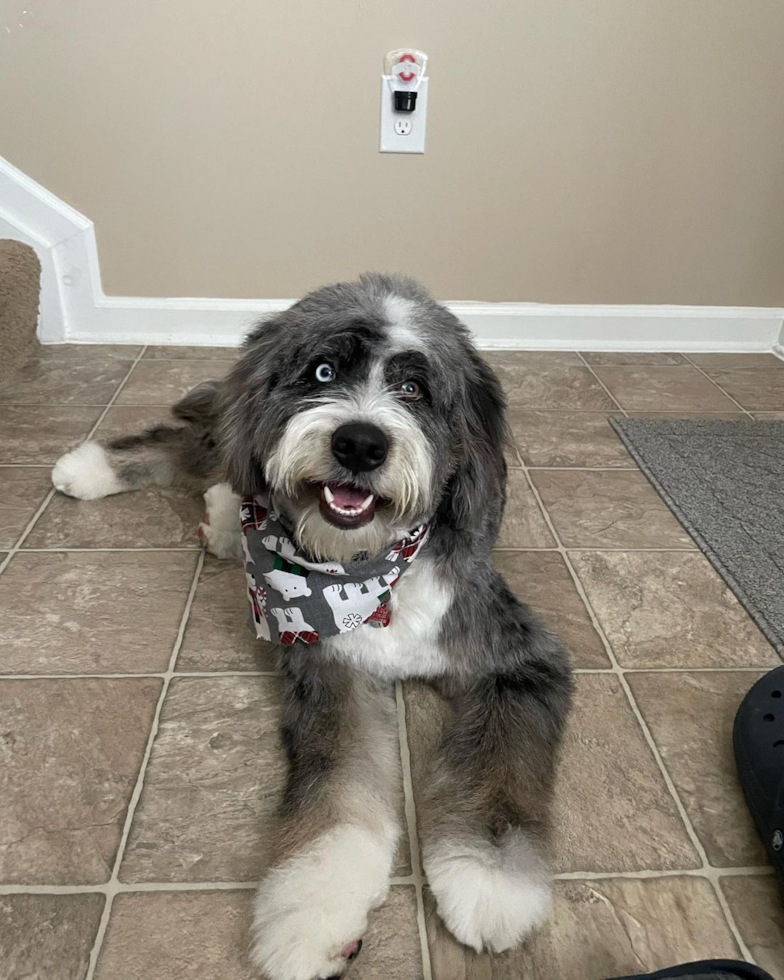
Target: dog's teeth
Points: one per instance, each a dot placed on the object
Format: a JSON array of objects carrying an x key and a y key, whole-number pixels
[
  {"x": 329, "y": 496},
  {"x": 367, "y": 501}
]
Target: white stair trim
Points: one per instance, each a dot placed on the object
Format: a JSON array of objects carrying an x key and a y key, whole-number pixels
[{"x": 74, "y": 308}]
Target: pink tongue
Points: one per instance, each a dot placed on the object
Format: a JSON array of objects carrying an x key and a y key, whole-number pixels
[{"x": 347, "y": 497}]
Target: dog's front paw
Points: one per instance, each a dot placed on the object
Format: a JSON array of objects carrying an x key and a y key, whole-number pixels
[
  {"x": 490, "y": 896},
  {"x": 312, "y": 909},
  {"x": 220, "y": 528},
  {"x": 87, "y": 473}
]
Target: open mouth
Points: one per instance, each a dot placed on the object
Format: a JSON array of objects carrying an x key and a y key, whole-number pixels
[{"x": 346, "y": 506}]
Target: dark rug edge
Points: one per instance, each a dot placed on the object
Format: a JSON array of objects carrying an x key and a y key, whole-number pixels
[{"x": 740, "y": 594}]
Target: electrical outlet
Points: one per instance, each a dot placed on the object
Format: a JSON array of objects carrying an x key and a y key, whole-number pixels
[{"x": 403, "y": 132}]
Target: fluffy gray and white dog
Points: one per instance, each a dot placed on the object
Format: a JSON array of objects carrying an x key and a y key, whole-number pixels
[{"x": 361, "y": 412}]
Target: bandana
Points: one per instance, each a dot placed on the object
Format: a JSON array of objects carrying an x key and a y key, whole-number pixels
[{"x": 292, "y": 597}]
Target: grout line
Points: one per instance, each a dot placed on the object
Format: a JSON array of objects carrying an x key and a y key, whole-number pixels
[
  {"x": 23, "y": 537},
  {"x": 572, "y": 549},
  {"x": 416, "y": 877},
  {"x": 26, "y": 466},
  {"x": 131, "y": 888},
  {"x": 674, "y": 873},
  {"x": 112, "y": 885},
  {"x": 274, "y": 673},
  {"x": 191, "y": 549},
  {"x": 606, "y": 389},
  {"x": 110, "y": 676},
  {"x": 706, "y": 868},
  {"x": 717, "y": 385},
  {"x": 589, "y": 469}
]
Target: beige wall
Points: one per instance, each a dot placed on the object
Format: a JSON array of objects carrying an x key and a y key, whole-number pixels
[{"x": 611, "y": 151}]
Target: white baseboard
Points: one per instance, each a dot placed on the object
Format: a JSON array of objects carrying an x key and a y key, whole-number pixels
[{"x": 74, "y": 308}]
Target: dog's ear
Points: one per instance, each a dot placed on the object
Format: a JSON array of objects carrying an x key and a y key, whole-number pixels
[
  {"x": 474, "y": 500},
  {"x": 243, "y": 396}
]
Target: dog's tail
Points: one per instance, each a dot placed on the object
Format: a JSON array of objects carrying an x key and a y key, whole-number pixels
[{"x": 184, "y": 455}]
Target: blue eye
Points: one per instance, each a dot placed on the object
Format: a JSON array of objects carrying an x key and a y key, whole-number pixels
[{"x": 325, "y": 373}]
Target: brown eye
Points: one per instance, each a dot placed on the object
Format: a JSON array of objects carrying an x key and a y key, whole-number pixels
[{"x": 411, "y": 390}]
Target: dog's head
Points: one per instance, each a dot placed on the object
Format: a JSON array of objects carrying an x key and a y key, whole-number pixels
[{"x": 364, "y": 410}]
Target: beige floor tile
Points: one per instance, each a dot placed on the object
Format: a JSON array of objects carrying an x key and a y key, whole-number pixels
[
  {"x": 71, "y": 752},
  {"x": 542, "y": 580},
  {"x": 755, "y": 903},
  {"x": 769, "y": 416},
  {"x": 159, "y": 518},
  {"x": 763, "y": 362},
  {"x": 600, "y": 929},
  {"x": 129, "y": 420},
  {"x": 531, "y": 358},
  {"x": 41, "y": 435},
  {"x": 65, "y": 381},
  {"x": 636, "y": 358},
  {"x": 567, "y": 439},
  {"x": 165, "y": 382},
  {"x": 605, "y": 509},
  {"x": 613, "y": 811},
  {"x": 177, "y": 353},
  {"x": 22, "y": 491},
  {"x": 212, "y": 784},
  {"x": 523, "y": 525},
  {"x": 546, "y": 380},
  {"x": 205, "y": 936},
  {"x": 666, "y": 609},
  {"x": 92, "y": 613},
  {"x": 672, "y": 388},
  {"x": 123, "y": 352},
  {"x": 754, "y": 389},
  {"x": 690, "y": 717},
  {"x": 47, "y": 937},
  {"x": 178, "y": 936},
  {"x": 217, "y": 636}
]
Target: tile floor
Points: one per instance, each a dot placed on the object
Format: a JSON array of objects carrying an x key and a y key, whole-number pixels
[{"x": 140, "y": 761}]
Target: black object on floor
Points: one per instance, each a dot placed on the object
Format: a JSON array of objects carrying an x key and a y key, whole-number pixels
[
  {"x": 706, "y": 970},
  {"x": 724, "y": 481},
  {"x": 758, "y": 739}
]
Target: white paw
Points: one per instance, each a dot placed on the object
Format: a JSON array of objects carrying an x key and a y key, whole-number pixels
[
  {"x": 220, "y": 530},
  {"x": 490, "y": 896},
  {"x": 87, "y": 473},
  {"x": 311, "y": 909}
]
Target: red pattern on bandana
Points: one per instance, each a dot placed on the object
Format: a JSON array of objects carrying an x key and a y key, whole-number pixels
[{"x": 288, "y": 638}]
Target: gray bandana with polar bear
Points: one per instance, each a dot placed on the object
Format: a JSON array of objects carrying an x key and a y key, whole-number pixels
[{"x": 292, "y": 597}]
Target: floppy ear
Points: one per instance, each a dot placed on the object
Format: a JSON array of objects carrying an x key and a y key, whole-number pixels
[
  {"x": 474, "y": 500},
  {"x": 243, "y": 396}
]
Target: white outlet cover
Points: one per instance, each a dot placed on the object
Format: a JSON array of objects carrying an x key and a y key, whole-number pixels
[{"x": 392, "y": 142}]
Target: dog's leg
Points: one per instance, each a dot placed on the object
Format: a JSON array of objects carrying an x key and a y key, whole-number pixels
[
  {"x": 166, "y": 455},
  {"x": 486, "y": 812},
  {"x": 340, "y": 823},
  {"x": 220, "y": 529}
]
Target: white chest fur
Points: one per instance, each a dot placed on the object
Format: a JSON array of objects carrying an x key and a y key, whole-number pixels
[{"x": 409, "y": 646}]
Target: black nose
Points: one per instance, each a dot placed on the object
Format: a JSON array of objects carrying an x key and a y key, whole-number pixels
[{"x": 359, "y": 446}]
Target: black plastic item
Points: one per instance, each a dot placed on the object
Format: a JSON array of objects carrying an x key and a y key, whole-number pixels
[
  {"x": 731, "y": 969},
  {"x": 405, "y": 101},
  {"x": 758, "y": 738}
]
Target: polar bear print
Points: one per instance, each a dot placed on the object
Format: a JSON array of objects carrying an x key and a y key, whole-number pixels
[
  {"x": 291, "y": 620},
  {"x": 285, "y": 548},
  {"x": 352, "y": 603},
  {"x": 289, "y": 585}
]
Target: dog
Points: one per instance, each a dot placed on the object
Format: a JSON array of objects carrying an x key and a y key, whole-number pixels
[{"x": 357, "y": 415}]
